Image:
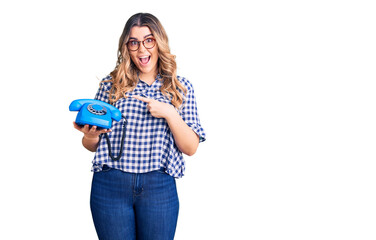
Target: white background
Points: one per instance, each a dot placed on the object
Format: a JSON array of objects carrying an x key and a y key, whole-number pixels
[{"x": 285, "y": 92}]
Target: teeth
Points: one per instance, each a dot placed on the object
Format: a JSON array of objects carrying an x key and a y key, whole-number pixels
[{"x": 144, "y": 59}]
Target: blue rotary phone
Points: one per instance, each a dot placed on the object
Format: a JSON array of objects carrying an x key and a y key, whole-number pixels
[
  {"x": 95, "y": 112},
  {"x": 100, "y": 114}
]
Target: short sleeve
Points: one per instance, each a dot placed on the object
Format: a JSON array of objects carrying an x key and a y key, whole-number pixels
[
  {"x": 102, "y": 93},
  {"x": 190, "y": 114}
]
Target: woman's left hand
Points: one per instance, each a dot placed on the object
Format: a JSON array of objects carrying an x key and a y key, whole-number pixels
[
  {"x": 185, "y": 138},
  {"x": 156, "y": 108}
]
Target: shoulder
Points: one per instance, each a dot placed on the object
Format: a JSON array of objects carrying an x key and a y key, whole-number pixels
[
  {"x": 106, "y": 83},
  {"x": 186, "y": 83}
]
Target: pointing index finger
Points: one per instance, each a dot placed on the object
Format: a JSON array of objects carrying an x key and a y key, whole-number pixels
[{"x": 144, "y": 99}]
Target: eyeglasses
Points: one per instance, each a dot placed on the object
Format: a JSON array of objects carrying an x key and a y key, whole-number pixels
[{"x": 134, "y": 45}]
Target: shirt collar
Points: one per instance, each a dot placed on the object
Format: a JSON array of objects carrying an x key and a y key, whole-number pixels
[{"x": 154, "y": 86}]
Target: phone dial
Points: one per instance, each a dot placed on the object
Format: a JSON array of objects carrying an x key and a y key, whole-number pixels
[{"x": 95, "y": 112}]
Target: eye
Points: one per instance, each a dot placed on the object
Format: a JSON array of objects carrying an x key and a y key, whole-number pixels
[
  {"x": 133, "y": 43},
  {"x": 149, "y": 40}
]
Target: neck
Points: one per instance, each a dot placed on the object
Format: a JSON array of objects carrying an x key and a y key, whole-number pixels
[{"x": 149, "y": 78}]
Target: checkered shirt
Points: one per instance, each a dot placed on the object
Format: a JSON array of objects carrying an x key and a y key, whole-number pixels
[{"x": 149, "y": 143}]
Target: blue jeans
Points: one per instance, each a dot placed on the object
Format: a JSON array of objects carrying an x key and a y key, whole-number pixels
[{"x": 141, "y": 206}]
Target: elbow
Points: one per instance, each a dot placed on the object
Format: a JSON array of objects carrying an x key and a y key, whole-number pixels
[
  {"x": 190, "y": 146},
  {"x": 191, "y": 150}
]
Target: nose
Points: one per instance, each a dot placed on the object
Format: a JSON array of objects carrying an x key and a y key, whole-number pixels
[{"x": 141, "y": 48}]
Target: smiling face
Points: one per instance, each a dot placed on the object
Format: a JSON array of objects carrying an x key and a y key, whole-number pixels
[{"x": 146, "y": 59}]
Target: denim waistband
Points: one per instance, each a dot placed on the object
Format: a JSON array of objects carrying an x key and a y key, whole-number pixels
[{"x": 105, "y": 167}]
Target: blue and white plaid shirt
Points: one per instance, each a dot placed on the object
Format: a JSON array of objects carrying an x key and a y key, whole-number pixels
[{"x": 149, "y": 144}]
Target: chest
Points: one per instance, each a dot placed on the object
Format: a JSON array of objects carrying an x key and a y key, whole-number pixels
[{"x": 136, "y": 112}]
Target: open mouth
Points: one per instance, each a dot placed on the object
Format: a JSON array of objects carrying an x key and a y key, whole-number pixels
[{"x": 144, "y": 60}]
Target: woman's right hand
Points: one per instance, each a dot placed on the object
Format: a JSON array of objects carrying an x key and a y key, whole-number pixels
[{"x": 91, "y": 135}]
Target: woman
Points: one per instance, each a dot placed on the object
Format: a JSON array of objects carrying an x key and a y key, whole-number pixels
[{"x": 133, "y": 194}]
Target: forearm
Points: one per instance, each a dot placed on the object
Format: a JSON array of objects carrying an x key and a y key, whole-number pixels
[
  {"x": 91, "y": 136},
  {"x": 90, "y": 144},
  {"x": 185, "y": 138}
]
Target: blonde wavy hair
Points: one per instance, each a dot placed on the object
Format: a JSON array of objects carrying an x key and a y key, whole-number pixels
[{"x": 125, "y": 74}]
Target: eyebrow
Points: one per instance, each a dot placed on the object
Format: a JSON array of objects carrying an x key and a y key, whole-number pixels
[{"x": 144, "y": 36}]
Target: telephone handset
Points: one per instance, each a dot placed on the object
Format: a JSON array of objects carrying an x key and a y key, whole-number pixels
[{"x": 95, "y": 112}]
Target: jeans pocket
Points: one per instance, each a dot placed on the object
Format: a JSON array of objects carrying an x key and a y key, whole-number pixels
[
  {"x": 162, "y": 170},
  {"x": 106, "y": 168}
]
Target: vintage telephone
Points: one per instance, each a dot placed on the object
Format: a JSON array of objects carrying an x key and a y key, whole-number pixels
[
  {"x": 95, "y": 112},
  {"x": 100, "y": 114}
]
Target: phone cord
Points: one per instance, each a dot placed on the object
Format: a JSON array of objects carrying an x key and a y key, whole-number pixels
[{"x": 121, "y": 145}]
